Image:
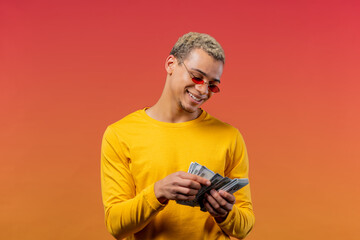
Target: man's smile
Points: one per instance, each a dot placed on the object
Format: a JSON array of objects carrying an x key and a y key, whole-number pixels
[{"x": 195, "y": 97}]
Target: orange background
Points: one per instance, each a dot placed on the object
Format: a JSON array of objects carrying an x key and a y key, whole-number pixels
[{"x": 290, "y": 84}]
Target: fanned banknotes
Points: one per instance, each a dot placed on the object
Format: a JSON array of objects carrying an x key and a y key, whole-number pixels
[{"x": 218, "y": 183}]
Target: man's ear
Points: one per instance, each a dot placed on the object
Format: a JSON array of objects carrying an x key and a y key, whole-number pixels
[{"x": 170, "y": 63}]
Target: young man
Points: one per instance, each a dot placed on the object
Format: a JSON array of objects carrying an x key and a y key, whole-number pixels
[{"x": 146, "y": 154}]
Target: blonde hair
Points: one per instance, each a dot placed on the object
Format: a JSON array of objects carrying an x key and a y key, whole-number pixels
[{"x": 193, "y": 40}]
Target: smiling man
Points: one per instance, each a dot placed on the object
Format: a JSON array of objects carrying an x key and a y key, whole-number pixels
[{"x": 146, "y": 154}]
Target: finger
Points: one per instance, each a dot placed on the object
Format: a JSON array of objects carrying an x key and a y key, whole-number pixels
[
  {"x": 186, "y": 191},
  {"x": 228, "y": 196},
  {"x": 196, "y": 178},
  {"x": 210, "y": 209},
  {"x": 215, "y": 205},
  {"x": 224, "y": 204},
  {"x": 202, "y": 180},
  {"x": 189, "y": 183},
  {"x": 179, "y": 196}
]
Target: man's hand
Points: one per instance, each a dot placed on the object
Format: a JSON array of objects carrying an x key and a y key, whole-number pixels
[
  {"x": 179, "y": 186},
  {"x": 219, "y": 204}
]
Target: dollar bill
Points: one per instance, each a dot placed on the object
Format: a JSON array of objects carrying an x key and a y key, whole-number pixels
[
  {"x": 191, "y": 167},
  {"x": 196, "y": 169},
  {"x": 205, "y": 173},
  {"x": 235, "y": 185},
  {"x": 218, "y": 182}
]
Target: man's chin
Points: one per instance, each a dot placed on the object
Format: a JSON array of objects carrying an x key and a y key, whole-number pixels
[{"x": 188, "y": 109}]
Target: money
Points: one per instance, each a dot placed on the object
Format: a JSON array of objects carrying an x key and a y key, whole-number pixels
[
  {"x": 191, "y": 167},
  {"x": 205, "y": 173},
  {"x": 196, "y": 169},
  {"x": 218, "y": 182},
  {"x": 235, "y": 185}
]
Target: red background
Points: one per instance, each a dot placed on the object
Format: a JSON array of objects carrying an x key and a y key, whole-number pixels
[{"x": 290, "y": 84}]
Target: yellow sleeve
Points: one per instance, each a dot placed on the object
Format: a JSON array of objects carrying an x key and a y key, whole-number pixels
[
  {"x": 125, "y": 211},
  {"x": 241, "y": 218}
]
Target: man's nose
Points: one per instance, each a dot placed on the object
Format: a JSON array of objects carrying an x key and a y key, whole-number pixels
[{"x": 202, "y": 88}]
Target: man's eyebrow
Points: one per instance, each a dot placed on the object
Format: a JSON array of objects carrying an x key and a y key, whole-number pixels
[{"x": 204, "y": 74}]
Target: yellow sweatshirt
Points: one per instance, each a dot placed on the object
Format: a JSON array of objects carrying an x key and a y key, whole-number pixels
[{"x": 137, "y": 151}]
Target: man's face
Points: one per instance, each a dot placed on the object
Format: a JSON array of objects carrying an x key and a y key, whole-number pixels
[{"x": 198, "y": 64}]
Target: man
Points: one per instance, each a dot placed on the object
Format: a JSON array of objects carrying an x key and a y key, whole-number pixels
[{"x": 145, "y": 157}]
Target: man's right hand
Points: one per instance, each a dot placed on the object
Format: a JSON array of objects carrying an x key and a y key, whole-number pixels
[{"x": 179, "y": 186}]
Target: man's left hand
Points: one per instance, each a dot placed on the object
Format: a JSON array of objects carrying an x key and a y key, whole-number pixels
[{"x": 219, "y": 204}]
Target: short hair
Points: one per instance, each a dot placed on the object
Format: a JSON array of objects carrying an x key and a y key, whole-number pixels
[{"x": 193, "y": 40}]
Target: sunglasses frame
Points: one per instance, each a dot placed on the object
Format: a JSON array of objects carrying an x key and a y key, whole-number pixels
[{"x": 212, "y": 87}]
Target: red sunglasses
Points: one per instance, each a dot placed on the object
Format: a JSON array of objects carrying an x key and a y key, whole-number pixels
[{"x": 212, "y": 87}]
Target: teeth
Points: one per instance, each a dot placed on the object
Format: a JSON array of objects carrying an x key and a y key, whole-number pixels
[{"x": 195, "y": 98}]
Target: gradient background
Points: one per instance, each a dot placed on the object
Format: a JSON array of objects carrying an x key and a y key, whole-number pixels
[{"x": 290, "y": 84}]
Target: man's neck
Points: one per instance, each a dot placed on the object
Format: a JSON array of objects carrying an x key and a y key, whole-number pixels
[{"x": 164, "y": 111}]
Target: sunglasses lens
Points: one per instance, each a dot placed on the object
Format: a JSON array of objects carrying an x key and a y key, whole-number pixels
[
  {"x": 214, "y": 88},
  {"x": 197, "y": 80}
]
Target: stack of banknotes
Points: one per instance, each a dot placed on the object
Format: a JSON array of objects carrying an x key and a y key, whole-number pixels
[{"x": 218, "y": 183}]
